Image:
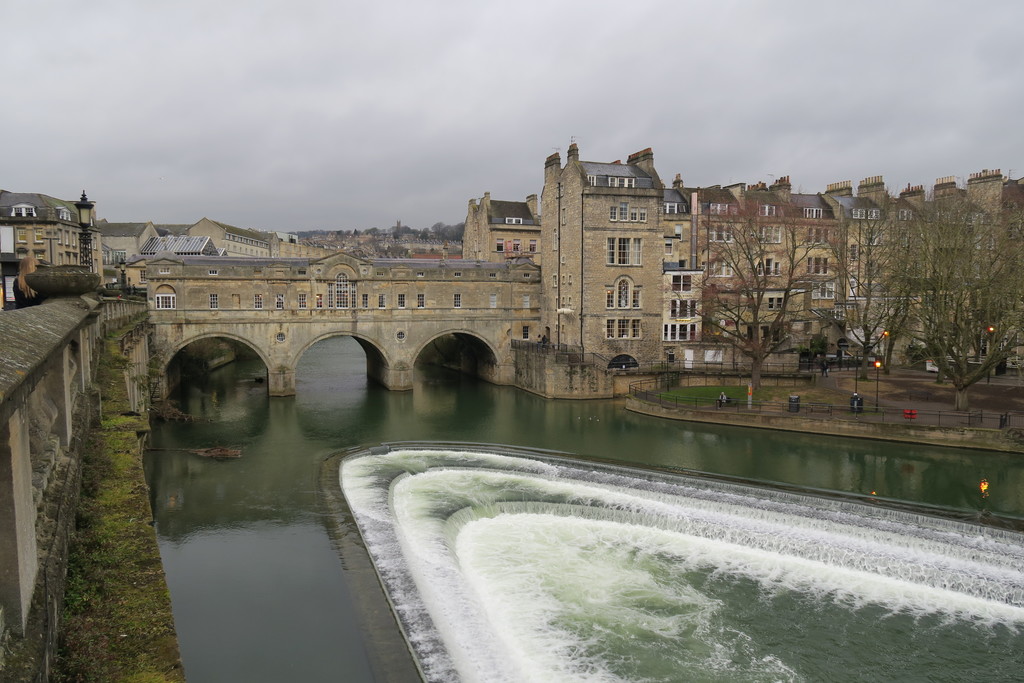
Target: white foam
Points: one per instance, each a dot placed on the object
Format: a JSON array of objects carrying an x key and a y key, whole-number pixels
[{"x": 504, "y": 568}]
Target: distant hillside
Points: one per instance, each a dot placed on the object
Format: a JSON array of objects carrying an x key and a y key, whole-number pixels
[{"x": 437, "y": 232}]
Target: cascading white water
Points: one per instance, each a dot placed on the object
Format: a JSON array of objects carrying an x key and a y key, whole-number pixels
[{"x": 510, "y": 566}]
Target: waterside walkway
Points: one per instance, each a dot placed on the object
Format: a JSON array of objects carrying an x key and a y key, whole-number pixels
[{"x": 911, "y": 408}]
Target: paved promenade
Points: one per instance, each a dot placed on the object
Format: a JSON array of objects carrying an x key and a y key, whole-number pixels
[
  {"x": 914, "y": 397},
  {"x": 910, "y": 407}
]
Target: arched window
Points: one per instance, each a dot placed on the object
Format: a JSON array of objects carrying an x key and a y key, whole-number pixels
[
  {"x": 341, "y": 292},
  {"x": 165, "y": 298},
  {"x": 623, "y": 295}
]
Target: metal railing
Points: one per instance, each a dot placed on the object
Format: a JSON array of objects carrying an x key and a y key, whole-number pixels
[{"x": 576, "y": 355}]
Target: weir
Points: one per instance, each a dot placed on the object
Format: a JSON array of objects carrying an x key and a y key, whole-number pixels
[{"x": 512, "y": 565}]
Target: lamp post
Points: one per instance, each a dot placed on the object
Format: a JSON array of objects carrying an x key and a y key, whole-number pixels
[
  {"x": 85, "y": 207},
  {"x": 124, "y": 277},
  {"x": 878, "y": 366}
]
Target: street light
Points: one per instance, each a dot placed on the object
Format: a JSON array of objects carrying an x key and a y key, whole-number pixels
[
  {"x": 878, "y": 366},
  {"x": 124, "y": 277},
  {"x": 85, "y": 207}
]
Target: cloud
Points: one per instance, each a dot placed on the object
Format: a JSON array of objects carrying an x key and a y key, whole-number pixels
[{"x": 321, "y": 114}]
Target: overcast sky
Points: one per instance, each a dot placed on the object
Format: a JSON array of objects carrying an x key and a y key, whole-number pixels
[{"x": 326, "y": 114}]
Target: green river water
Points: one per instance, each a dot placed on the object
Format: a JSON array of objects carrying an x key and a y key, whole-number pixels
[{"x": 260, "y": 592}]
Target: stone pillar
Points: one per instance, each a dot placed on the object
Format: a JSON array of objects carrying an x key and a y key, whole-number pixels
[
  {"x": 281, "y": 381},
  {"x": 18, "y": 563},
  {"x": 394, "y": 378}
]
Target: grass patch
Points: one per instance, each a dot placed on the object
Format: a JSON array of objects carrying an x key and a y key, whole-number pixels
[
  {"x": 707, "y": 395},
  {"x": 118, "y": 624}
]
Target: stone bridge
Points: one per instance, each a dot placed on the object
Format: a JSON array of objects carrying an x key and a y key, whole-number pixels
[{"x": 394, "y": 308}]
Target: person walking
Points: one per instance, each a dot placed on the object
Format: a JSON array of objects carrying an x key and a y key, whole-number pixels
[
  {"x": 824, "y": 368},
  {"x": 25, "y": 296}
]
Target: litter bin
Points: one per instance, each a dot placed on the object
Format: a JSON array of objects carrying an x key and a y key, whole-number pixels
[
  {"x": 794, "y": 404},
  {"x": 856, "y": 403}
]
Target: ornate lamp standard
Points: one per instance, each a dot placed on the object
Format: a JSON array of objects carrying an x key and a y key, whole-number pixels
[{"x": 85, "y": 207}]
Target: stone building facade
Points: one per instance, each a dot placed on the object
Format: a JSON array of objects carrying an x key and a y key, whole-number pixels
[
  {"x": 604, "y": 247},
  {"x": 497, "y": 230}
]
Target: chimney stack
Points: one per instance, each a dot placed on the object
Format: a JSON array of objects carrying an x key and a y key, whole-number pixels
[
  {"x": 573, "y": 154},
  {"x": 844, "y": 188},
  {"x": 873, "y": 188},
  {"x": 782, "y": 187},
  {"x": 985, "y": 188},
  {"x": 531, "y": 204},
  {"x": 945, "y": 187}
]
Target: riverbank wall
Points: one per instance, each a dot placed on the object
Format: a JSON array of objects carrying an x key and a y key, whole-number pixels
[
  {"x": 50, "y": 410},
  {"x": 1009, "y": 441}
]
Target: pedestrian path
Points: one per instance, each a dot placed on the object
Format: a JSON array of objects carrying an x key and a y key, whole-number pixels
[{"x": 913, "y": 406}]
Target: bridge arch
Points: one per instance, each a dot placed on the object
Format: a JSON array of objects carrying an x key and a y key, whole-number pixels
[
  {"x": 469, "y": 352},
  {"x": 170, "y": 374},
  {"x": 379, "y": 365},
  {"x": 170, "y": 352}
]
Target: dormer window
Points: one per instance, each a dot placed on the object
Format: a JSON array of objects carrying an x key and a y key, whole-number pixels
[
  {"x": 672, "y": 207},
  {"x": 905, "y": 214},
  {"x": 874, "y": 214},
  {"x": 592, "y": 180},
  {"x": 813, "y": 213},
  {"x": 23, "y": 211},
  {"x": 858, "y": 213},
  {"x": 719, "y": 209},
  {"x": 513, "y": 221},
  {"x": 617, "y": 181},
  {"x": 63, "y": 213},
  {"x": 768, "y": 210}
]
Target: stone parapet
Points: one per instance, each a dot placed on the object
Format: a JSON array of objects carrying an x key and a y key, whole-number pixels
[{"x": 47, "y": 405}]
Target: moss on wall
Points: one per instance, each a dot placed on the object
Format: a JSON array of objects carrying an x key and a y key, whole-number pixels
[{"x": 118, "y": 624}]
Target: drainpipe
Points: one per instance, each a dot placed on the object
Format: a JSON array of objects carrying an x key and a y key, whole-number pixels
[
  {"x": 582, "y": 288},
  {"x": 558, "y": 261}
]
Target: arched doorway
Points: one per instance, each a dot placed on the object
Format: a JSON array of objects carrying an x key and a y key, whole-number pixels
[{"x": 623, "y": 362}]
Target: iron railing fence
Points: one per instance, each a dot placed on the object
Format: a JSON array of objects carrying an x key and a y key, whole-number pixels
[{"x": 576, "y": 354}]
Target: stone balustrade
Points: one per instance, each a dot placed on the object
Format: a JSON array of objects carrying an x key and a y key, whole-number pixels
[{"x": 47, "y": 403}]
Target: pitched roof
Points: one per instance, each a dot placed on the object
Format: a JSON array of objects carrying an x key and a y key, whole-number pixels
[
  {"x": 121, "y": 229},
  {"x": 717, "y": 195},
  {"x": 500, "y": 210},
  {"x": 181, "y": 245},
  {"x": 41, "y": 201},
  {"x": 674, "y": 196},
  {"x": 851, "y": 203},
  {"x": 619, "y": 170},
  {"x": 172, "y": 228},
  {"x": 251, "y": 234}
]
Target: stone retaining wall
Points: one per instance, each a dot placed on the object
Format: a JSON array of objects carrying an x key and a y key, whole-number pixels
[
  {"x": 47, "y": 406},
  {"x": 959, "y": 437}
]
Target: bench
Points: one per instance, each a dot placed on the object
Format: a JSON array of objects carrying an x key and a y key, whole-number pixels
[{"x": 920, "y": 394}]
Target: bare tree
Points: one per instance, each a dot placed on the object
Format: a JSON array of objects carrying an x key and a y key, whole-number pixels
[
  {"x": 873, "y": 305},
  {"x": 757, "y": 269},
  {"x": 966, "y": 268}
]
